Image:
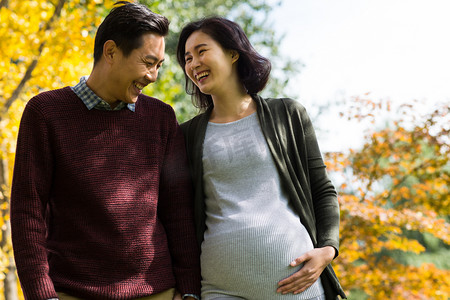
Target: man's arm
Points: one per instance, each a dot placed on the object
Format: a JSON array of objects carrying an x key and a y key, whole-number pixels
[
  {"x": 175, "y": 210},
  {"x": 29, "y": 197}
]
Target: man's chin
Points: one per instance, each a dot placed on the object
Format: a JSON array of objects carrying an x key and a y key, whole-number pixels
[{"x": 132, "y": 100}]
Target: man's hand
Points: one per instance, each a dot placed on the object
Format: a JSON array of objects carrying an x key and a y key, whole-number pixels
[
  {"x": 177, "y": 296},
  {"x": 315, "y": 262}
]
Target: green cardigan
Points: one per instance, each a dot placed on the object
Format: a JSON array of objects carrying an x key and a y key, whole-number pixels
[{"x": 292, "y": 142}]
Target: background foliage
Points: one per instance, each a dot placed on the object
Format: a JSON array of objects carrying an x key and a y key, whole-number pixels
[
  {"x": 395, "y": 204},
  {"x": 394, "y": 190}
]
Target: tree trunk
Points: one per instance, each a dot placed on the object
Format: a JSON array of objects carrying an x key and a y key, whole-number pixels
[{"x": 10, "y": 282}]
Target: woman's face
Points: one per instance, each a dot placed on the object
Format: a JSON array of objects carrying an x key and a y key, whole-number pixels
[{"x": 208, "y": 65}]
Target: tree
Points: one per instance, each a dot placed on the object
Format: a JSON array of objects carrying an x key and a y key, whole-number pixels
[
  {"x": 48, "y": 44},
  {"x": 44, "y": 45},
  {"x": 393, "y": 191},
  {"x": 252, "y": 15}
]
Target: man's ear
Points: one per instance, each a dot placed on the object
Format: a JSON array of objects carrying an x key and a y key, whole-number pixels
[
  {"x": 234, "y": 56},
  {"x": 109, "y": 51}
]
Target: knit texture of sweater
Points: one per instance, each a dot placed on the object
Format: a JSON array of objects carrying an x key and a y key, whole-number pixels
[{"x": 101, "y": 203}]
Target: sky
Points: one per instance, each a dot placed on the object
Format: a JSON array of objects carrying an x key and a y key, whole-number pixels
[{"x": 392, "y": 49}]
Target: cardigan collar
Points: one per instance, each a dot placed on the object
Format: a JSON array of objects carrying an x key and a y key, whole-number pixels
[{"x": 267, "y": 124}]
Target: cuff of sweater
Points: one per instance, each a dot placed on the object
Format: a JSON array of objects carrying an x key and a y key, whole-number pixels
[
  {"x": 40, "y": 289},
  {"x": 191, "y": 295}
]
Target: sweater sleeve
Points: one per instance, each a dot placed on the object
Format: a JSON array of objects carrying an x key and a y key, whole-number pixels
[
  {"x": 175, "y": 210},
  {"x": 323, "y": 192},
  {"x": 29, "y": 199}
]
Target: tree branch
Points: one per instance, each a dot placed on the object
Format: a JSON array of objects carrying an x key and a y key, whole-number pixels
[
  {"x": 34, "y": 62},
  {"x": 4, "y": 3}
]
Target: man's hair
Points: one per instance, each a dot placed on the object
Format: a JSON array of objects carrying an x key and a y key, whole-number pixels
[{"x": 125, "y": 25}]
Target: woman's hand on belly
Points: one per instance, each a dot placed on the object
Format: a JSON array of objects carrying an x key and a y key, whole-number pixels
[{"x": 315, "y": 261}]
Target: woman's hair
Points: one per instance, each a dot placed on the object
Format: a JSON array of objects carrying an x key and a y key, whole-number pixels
[
  {"x": 253, "y": 69},
  {"x": 125, "y": 25}
]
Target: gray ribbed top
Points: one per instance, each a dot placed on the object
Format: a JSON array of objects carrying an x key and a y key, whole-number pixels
[{"x": 252, "y": 233}]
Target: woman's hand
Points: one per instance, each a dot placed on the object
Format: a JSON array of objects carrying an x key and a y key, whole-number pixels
[{"x": 314, "y": 262}]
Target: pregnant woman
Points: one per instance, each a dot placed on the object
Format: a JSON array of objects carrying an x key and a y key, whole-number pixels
[{"x": 267, "y": 215}]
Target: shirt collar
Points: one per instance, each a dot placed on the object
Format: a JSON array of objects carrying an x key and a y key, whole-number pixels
[{"x": 91, "y": 100}]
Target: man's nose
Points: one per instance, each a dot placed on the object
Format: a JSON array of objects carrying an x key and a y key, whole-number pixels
[{"x": 151, "y": 75}]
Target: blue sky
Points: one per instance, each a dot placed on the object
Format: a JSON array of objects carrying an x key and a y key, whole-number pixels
[{"x": 392, "y": 49}]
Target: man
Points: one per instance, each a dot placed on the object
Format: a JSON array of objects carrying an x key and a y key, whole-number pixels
[{"x": 101, "y": 203}]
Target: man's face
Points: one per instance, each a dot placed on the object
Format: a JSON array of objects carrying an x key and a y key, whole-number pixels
[{"x": 131, "y": 74}]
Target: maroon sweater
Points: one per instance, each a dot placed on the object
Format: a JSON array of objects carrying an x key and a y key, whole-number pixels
[{"x": 101, "y": 203}]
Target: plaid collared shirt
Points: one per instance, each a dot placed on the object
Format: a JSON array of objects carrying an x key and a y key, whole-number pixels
[{"x": 91, "y": 100}]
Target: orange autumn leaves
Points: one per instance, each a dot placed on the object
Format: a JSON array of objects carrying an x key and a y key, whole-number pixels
[{"x": 396, "y": 183}]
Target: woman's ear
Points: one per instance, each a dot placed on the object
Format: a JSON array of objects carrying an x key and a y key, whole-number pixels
[{"x": 234, "y": 56}]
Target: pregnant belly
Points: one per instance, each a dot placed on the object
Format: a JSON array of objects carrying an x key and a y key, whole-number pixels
[{"x": 255, "y": 257}]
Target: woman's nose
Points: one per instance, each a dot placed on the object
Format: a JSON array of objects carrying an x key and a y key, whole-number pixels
[{"x": 194, "y": 63}]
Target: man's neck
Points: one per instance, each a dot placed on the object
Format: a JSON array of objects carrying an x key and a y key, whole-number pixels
[{"x": 98, "y": 83}]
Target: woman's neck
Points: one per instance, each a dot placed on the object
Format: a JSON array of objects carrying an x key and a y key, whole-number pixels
[{"x": 233, "y": 107}]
